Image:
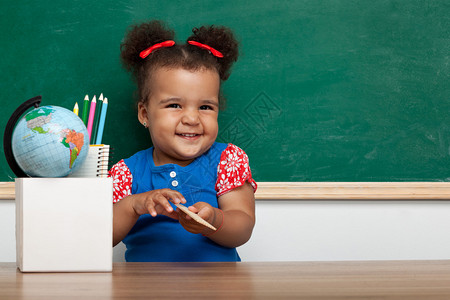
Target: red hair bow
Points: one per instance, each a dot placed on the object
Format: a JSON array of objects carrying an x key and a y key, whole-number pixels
[
  {"x": 149, "y": 50},
  {"x": 210, "y": 49}
]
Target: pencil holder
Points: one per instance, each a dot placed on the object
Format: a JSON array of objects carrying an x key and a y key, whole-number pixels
[{"x": 64, "y": 224}]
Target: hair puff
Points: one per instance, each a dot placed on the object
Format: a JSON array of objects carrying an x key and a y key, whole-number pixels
[
  {"x": 222, "y": 39},
  {"x": 140, "y": 37}
]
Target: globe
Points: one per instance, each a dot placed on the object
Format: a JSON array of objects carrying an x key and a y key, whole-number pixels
[{"x": 50, "y": 141}]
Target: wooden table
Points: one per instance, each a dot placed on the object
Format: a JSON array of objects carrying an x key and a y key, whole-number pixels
[{"x": 248, "y": 280}]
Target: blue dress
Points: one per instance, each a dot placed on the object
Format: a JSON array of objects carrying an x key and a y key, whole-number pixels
[{"x": 161, "y": 238}]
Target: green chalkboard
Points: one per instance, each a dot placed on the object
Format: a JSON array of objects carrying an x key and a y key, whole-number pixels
[{"x": 332, "y": 90}]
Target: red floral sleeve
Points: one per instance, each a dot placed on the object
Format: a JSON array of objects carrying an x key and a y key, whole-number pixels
[
  {"x": 122, "y": 180},
  {"x": 233, "y": 170}
]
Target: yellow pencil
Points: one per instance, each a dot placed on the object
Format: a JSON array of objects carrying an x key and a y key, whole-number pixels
[{"x": 75, "y": 108}]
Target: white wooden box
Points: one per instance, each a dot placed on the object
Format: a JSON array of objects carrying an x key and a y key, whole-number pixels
[{"x": 64, "y": 224}]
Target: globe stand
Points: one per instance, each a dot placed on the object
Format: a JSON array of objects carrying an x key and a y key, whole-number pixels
[{"x": 7, "y": 145}]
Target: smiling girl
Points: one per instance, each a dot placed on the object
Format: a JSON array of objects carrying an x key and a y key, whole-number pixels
[{"x": 179, "y": 88}]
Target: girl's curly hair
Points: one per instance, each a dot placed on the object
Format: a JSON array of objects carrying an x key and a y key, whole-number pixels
[{"x": 186, "y": 56}]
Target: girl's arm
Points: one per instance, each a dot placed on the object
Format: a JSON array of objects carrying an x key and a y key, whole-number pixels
[
  {"x": 124, "y": 218},
  {"x": 235, "y": 223},
  {"x": 127, "y": 211},
  {"x": 238, "y": 208}
]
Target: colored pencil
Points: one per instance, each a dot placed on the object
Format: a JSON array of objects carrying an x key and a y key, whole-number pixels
[
  {"x": 75, "y": 108},
  {"x": 101, "y": 125},
  {"x": 91, "y": 116},
  {"x": 85, "y": 110},
  {"x": 96, "y": 119}
]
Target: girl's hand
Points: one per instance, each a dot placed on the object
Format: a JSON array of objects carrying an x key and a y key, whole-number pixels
[
  {"x": 156, "y": 202},
  {"x": 203, "y": 210}
]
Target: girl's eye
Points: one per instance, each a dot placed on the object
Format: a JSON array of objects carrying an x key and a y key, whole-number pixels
[
  {"x": 173, "y": 105},
  {"x": 206, "y": 107}
]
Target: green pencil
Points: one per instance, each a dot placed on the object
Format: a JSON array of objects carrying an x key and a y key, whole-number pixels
[
  {"x": 96, "y": 119},
  {"x": 85, "y": 110}
]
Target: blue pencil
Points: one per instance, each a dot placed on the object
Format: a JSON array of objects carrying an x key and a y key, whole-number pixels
[{"x": 101, "y": 123}]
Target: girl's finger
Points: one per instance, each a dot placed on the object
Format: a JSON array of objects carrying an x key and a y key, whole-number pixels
[
  {"x": 151, "y": 209},
  {"x": 162, "y": 200},
  {"x": 204, "y": 213},
  {"x": 174, "y": 196}
]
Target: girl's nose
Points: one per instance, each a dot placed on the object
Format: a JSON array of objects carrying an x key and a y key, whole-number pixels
[{"x": 190, "y": 117}]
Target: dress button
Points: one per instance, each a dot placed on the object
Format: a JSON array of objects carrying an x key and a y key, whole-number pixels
[
  {"x": 173, "y": 174},
  {"x": 174, "y": 183}
]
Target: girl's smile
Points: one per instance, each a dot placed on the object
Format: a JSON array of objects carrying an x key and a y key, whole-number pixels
[{"x": 182, "y": 113}]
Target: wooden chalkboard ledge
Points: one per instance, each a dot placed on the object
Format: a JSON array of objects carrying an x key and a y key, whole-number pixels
[
  {"x": 353, "y": 191},
  {"x": 7, "y": 191},
  {"x": 329, "y": 191}
]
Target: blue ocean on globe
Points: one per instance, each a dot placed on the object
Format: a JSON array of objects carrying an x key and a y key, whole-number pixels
[{"x": 50, "y": 141}]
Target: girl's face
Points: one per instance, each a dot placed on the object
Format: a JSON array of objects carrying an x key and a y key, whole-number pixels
[{"x": 181, "y": 113}]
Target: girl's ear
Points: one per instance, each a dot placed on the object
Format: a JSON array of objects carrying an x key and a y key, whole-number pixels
[{"x": 142, "y": 114}]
